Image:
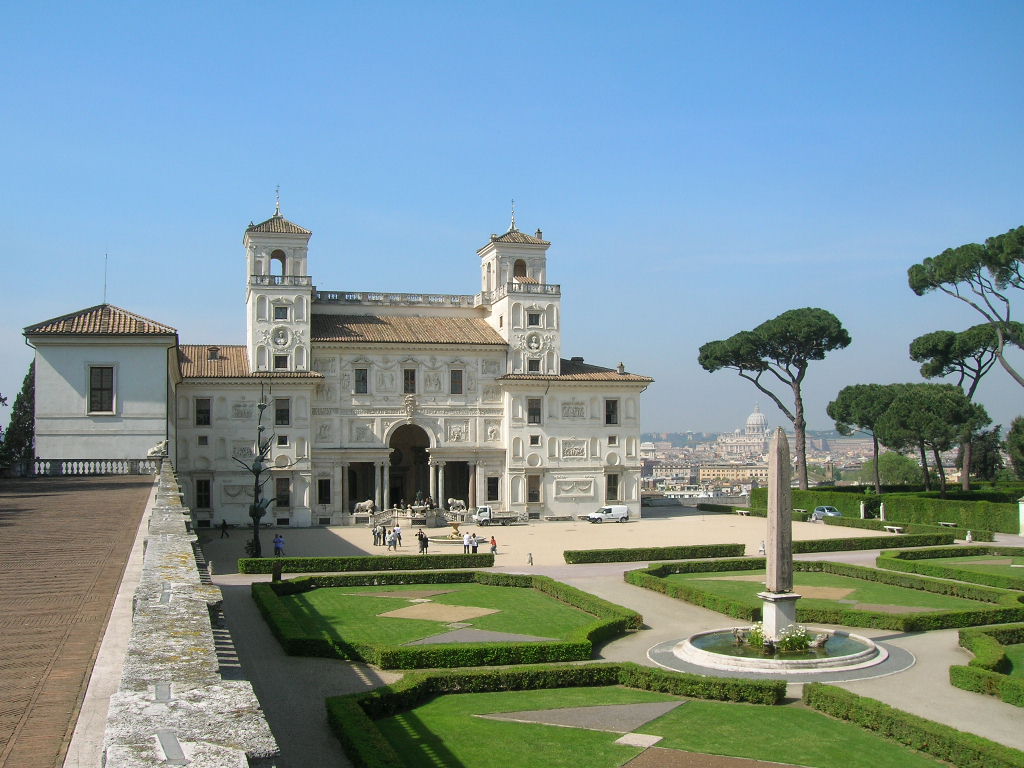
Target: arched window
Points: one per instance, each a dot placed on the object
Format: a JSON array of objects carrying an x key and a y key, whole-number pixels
[
  {"x": 519, "y": 268},
  {"x": 277, "y": 262}
]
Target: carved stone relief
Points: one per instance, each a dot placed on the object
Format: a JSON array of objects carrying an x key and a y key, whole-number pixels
[
  {"x": 243, "y": 409},
  {"x": 574, "y": 449},
  {"x": 493, "y": 430},
  {"x": 242, "y": 450},
  {"x": 580, "y": 488},
  {"x": 458, "y": 431},
  {"x": 328, "y": 366},
  {"x": 492, "y": 394},
  {"x": 574, "y": 409}
]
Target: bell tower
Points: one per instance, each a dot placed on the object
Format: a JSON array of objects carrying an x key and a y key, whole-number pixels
[
  {"x": 278, "y": 296},
  {"x": 524, "y": 308}
]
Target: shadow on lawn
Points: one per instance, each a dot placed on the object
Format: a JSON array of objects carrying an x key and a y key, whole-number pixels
[{"x": 421, "y": 747}]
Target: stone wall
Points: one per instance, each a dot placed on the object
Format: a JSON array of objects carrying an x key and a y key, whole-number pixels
[{"x": 172, "y": 706}]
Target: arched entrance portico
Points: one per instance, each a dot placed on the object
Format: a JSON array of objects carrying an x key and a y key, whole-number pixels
[{"x": 409, "y": 472}]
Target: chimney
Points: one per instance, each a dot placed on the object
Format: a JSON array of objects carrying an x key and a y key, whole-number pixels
[
  {"x": 621, "y": 369},
  {"x": 540, "y": 235},
  {"x": 577, "y": 359}
]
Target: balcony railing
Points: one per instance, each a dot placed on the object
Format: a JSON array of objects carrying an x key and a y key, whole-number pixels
[
  {"x": 506, "y": 289},
  {"x": 60, "y": 467},
  {"x": 376, "y": 298},
  {"x": 299, "y": 280}
]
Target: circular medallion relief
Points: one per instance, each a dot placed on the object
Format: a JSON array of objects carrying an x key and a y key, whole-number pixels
[{"x": 280, "y": 337}]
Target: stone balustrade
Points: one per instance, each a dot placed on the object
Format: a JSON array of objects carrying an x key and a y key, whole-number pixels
[{"x": 172, "y": 706}]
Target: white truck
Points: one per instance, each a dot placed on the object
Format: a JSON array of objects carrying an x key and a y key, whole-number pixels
[
  {"x": 487, "y": 516},
  {"x": 617, "y": 512}
]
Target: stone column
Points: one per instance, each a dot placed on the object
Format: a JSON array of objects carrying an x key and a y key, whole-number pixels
[
  {"x": 378, "y": 498},
  {"x": 881, "y": 511},
  {"x": 778, "y": 607},
  {"x": 863, "y": 510},
  {"x": 471, "y": 501},
  {"x": 1020, "y": 512},
  {"x": 343, "y": 487},
  {"x": 433, "y": 482},
  {"x": 442, "y": 502},
  {"x": 386, "y": 472}
]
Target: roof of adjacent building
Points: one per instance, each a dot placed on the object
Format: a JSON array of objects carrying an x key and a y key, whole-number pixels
[
  {"x": 577, "y": 370},
  {"x": 278, "y": 225},
  {"x": 103, "y": 319},
  {"x": 195, "y": 361},
  {"x": 403, "y": 329},
  {"x": 515, "y": 236}
]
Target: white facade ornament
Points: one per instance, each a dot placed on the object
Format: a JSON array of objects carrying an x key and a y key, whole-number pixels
[
  {"x": 574, "y": 449},
  {"x": 574, "y": 409},
  {"x": 409, "y": 403},
  {"x": 458, "y": 432}
]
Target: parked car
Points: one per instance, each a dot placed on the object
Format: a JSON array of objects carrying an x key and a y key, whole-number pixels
[
  {"x": 617, "y": 512},
  {"x": 821, "y": 513}
]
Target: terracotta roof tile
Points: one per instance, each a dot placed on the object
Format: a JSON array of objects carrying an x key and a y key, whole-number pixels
[
  {"x": 231, "y": 362},
  {"x": 515, "y": 236},
  {"x": 278, "y": 225},
  {"x": 403, "y": 329},
  {"x": 577, "y": 370},
  {"x": 102, "y": 319}
]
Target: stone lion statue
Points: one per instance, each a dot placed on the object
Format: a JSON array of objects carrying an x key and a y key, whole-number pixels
[
  {"x": 456, "y": 504},
  {"x": 363, "y": 506}
]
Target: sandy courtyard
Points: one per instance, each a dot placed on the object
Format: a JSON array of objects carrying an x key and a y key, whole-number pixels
[{"x": 544, "y": 541}]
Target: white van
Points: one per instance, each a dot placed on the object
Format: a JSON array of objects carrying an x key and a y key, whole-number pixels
[{"x": 617, "y": 512}]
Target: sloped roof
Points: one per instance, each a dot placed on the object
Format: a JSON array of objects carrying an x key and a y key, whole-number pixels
[
  {"x": 278, "y": 225},
  {"x": 577, "y": 370},
  {"x": 103, "y": 319},
  {"x": 515, "y": 236},
  {"x": 232, "y": 362},
  {"x": 403, "y": 329}
]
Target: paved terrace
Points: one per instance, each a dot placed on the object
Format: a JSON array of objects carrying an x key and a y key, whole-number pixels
[{"x": 63, "y": 546}]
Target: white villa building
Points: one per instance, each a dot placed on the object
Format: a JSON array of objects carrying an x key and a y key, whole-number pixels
[{"x": 371, "y": 395}]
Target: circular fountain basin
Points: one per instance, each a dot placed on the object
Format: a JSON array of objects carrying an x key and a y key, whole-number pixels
[{"x": 717, "y": 649}]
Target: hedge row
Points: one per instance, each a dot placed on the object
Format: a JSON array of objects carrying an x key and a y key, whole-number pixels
[
  {"x": 873, "y": 524},
  {"x": 964, "y": 750},
  {"x": 574, "y": 556},
  {"x": 352, "y": 717},
  {"x": 709, "y": 507},
  {"x": 1009, "y": 605},
  {"x": 872, "y": 542},
  {"x": 908, "y": 562},
  {"x": 989, "y": 670},
  {"x": 612, "y": 621},
  {"x": 908, "y": 507},
  {"x": 364, "y": 563}
]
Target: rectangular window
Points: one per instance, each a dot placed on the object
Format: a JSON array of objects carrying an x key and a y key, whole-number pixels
[
  {"x": 613, "y": 440},
  {"x": 455, "y": 379},
  {"x": 282, "y": 492},
  {"x": 101, "y": 389},
  {"x": 203, "y": 411},
  {"x": 533, "y": 319},
  {"x": 611, "y": 492},
  {"x": 203, "y": 440},
  {"x": 409, "y": 381},
  {"x": 280, "y": 313},
  {"x": 534, "y": 441},
  {"x": 533, "y": 489},
  {"x": 203, "y": 494},
  {"x": 533, "y": 409},
  {"x": 533, "y": 365},
  {"x": 282, "y": 412},
  {"x": 323, "y": 492},
  {"x": 280, "y": 362},
  {"x": 282, "y": 440},
  {"x": 611, "y": 411},
  {"x": 493, "y": 488},
  {"x": 362, "y": 381}
]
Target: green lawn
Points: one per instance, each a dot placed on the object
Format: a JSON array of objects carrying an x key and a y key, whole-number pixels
[
  {"x": 444, "y": 732},
  {"x": 1015, "y": 653},
  {"x": 352, "y": 612},
  {"x": 977, "y": 564},
  {"x": 870, "y": 592}
]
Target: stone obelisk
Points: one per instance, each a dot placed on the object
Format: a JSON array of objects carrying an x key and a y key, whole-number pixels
[{"x": 778, "y": 600}]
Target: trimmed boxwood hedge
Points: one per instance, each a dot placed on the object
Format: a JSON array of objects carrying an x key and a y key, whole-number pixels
[
  {"x": 352, "y": 717},
  {"x": 964, "y": 750},
  {"x": 612, "y": 621},
  {"x": 573, "y": 556},
  {"x": 1008, "y": 606},
  {"x": 364, "y": 563},
  {"x": 988, "y": 672},
  {"x": 871, "y": 542},
  {"x": 874, "y": 524},
  {"x": 907, "y": 562}
]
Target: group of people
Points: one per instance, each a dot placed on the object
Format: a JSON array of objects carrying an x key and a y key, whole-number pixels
[
  {"x": 383, "y": 536},
  {"x": 470, "y": 544}
]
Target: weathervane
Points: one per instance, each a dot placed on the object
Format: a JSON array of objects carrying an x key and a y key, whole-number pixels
[
  {"x": 513, "y": 227},
  {"x": 277, "y": 198}
]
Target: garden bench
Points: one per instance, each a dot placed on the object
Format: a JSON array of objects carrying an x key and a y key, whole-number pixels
[
  {"x": 744, "y": 512},
  {"x": 948, "y": 524},
  {"x": 894, "y": 528}
]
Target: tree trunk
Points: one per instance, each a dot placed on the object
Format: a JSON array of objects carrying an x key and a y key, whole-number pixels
[
  {"x": 942, "y": 473},
  {"x": 878, "y": 474},
  {"x": 800, "y": 436},
  {"x": 967, "y": 450},
  {"x": 924, "y": 467}
]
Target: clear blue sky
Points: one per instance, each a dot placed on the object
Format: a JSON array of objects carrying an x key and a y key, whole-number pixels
[{"x": 698, "y": 167}]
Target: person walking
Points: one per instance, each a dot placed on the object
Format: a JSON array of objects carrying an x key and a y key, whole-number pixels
[
  {"x": 398, "y": 535},
  {"x": 224, "y": 529},
  {"x": 421, "y": 537},
  {"x": 494, "y": 546},
  {"x": 391, "y": 540},
  {"x": 279, "y": 545}
]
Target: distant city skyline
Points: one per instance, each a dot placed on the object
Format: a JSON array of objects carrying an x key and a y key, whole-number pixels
[{"x": 699, "y": 168}]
